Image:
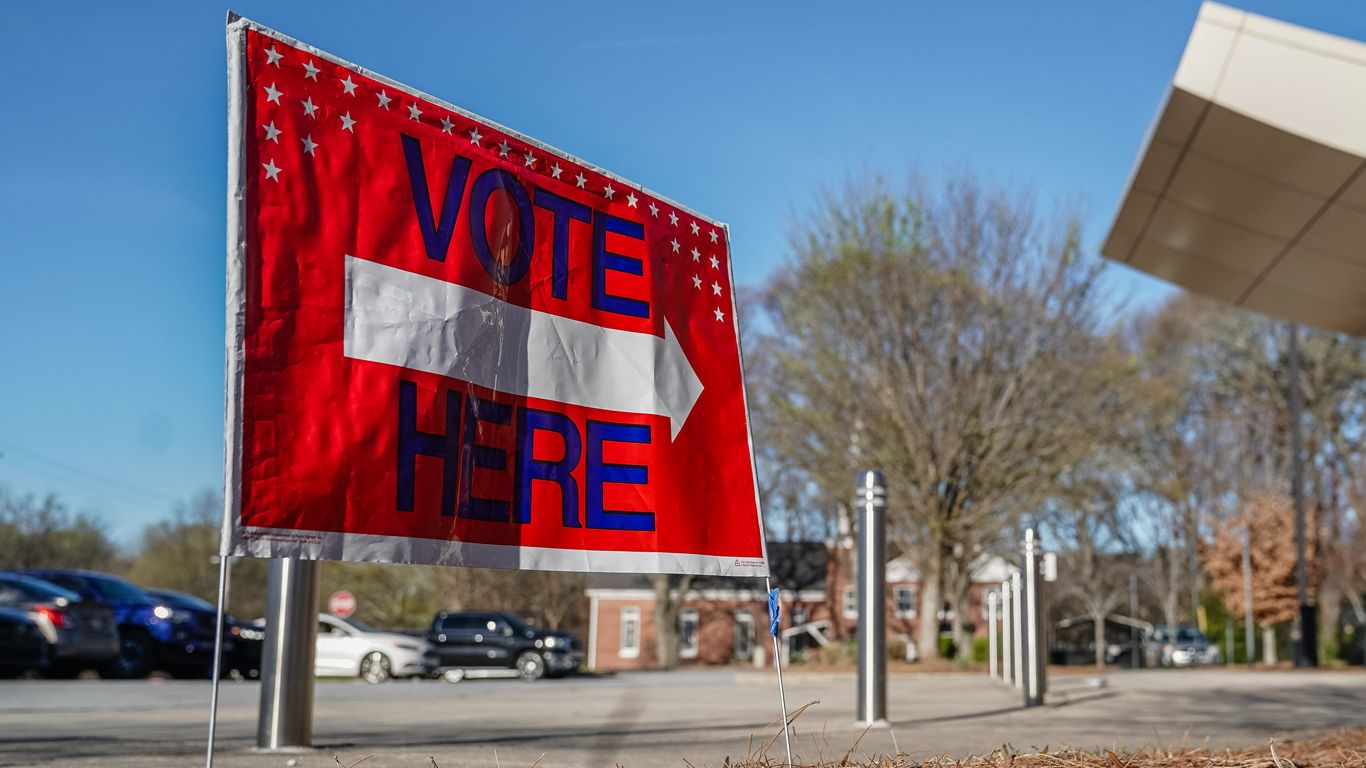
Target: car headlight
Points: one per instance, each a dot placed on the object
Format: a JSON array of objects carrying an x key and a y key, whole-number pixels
[
  {"x": 551, "y": 642},
  {"x": 162, "y": 612}
]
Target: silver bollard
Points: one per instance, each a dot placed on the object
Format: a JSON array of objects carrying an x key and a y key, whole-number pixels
[
  {"x": 1016, "y": 630},
  {"x": 992, "y": 599},
  {"x": 286, "y": 716},
  {"x": 1007, "y": 634},
  {"x": 872, "y": 600},
  {"x": 1035, "y": 631}
]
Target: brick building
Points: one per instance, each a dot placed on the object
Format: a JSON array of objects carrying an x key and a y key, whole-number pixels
[{"x": 725, "y": 620}]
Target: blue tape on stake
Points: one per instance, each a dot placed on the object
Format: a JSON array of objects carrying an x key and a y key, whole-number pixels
[{"x": 775, "y": 613}]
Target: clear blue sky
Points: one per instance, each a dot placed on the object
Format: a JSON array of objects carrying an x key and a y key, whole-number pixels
[{"x": 112, "y": 157}]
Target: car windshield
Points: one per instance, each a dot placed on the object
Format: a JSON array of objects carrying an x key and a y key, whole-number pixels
[
  {"x": 118, "y": 589},
  {"x": 1188, "y": 635},
  {"x": 360, "y": 626},
  {"x": 185, "y": 601},
  {"x": 38, "y": 589}
]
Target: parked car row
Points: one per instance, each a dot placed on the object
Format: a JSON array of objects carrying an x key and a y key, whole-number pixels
[
  {"x": 62, "y": 622},
  {"x": 89, "y": 620}
]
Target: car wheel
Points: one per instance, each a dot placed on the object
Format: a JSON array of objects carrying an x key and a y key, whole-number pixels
[
  {"x": 134, "y": 661},
  {"x": 531, "y": 665},
  {"x": 375, "y": 668}
]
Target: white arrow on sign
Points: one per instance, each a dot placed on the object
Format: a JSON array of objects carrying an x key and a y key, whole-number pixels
[{"x": 418, "y": 322}]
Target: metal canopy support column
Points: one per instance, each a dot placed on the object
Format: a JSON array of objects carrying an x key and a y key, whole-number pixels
[
  {"x": 286, "y": 718},
  {"x": 1007, "y": 634},
  {"x": 992, "y": 668},
  {"x": 1035, "y": 629},
  {"x": 872, "y": 601},
  {"x": 1017, "y": 629}
]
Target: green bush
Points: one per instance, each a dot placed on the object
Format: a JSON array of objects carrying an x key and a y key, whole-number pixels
[
  {"x": 980, "y": 649},
  {"x": 948, "y": 649}
]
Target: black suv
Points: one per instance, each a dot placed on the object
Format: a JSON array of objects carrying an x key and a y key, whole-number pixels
[{"x": 485, "y": 639}]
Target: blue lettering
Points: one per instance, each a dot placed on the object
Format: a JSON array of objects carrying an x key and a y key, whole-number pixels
[
  {"x": 474, "y": 455},
  {"x": 436, "y": 236},
  {"x": 529, "y": 421},
  {"x": 564, "y": 210},
  {"x": 506, "y": 272},
  {"x": 412, "y": 442},
  {"x": 600, "y": 473},
  {"x": 604, "y": 260}
]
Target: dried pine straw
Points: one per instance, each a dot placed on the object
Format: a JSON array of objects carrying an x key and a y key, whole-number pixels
[{"x": 1341, "y": 748}]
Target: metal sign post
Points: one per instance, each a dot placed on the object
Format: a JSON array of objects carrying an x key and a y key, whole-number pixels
[
  {"x": 286, "y": 719},
  {"x": 872, "y": 601},
  {"x": 1035, "y": 637}
]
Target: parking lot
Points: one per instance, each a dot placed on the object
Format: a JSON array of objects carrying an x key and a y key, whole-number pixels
[{"x": 659, "y": 719}]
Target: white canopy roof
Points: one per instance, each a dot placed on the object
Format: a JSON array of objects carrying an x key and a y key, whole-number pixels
[{"x": 1249, "y": 188}]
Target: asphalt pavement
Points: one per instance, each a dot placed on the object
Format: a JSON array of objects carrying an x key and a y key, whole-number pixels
[{"x": 660, "y": 719}]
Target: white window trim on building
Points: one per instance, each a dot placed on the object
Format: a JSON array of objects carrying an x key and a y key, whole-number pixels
[
  {"x": 684, "y": 617},
  {"x": 904, "y": 613},
  {"x": 850, "y": 605},
  {"x": 745, "y": 619},
  {"x": 630, "y": 615}
]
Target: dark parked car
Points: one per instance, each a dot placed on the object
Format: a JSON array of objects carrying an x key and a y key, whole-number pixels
[
  {"x": 78, "y": 634},
  {"x": 241, "y": 641},
  {"x": 479, "y": 639},
  {"x": 149, "y": 635},
  {"x": 22, "y": 645},
  {"x": 1181, "y": 645}
]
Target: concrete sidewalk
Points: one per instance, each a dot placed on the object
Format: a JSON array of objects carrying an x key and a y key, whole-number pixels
[{"x": 658, "y": 719}]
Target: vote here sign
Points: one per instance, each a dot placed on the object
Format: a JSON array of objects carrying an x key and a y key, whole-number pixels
[{"x": 450, "y": 343}]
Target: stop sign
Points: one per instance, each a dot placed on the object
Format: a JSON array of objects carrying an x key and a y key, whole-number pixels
[{"x": 341, "y": 604}]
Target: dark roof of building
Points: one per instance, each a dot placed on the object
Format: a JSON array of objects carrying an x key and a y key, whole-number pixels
[{"x": 793, "y": 565}]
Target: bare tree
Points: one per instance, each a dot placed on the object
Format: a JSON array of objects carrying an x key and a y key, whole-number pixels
[{"x": 958, "y": 326}]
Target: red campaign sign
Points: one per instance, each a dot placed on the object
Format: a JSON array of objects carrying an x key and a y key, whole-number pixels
[{"x": 450, "y": 343}]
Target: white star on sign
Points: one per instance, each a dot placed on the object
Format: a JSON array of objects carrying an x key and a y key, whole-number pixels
[
  {"x": 310, "y": 71},
  {"x": 607, "y": 191},
  {"x": 413, "y": 112},
  {"x": 272, "y": 94},
  {"x": 719, "y": 314},
  {"x": 272, "y": 170},
  {"x": 446, "y": 124},
  {"x": 695, "y": 228},
  {"x": 273, "y": 56},
  {"x": 654, "y": 210},
  {"x": 349, "y": 86},
  {"x": 631, "y": 199},
  {"x": 675, "y": 244},
  {"x": 555, "y": 171},
  {"x": 713, "y": 235},
  {"x": 347, "y": 123},
  {"x": 696, "y": 255},
  {"x": 503, "y": 148},
  {"x": 383, "y": 99},
  {"x": 309, "y": 144},
  {"x": 475, "y": 135},
  {"x": 716, "y": 288},
  {"x": 714, "y": 263},
  {"x": 673, "y": 218},
  {"x": 697, "y": 282},
  {"x": 309, "y": 106},
  {"x": 272, "y": 133},
  {"x": 580, "y": 180},
  {"x": 529, "y": 158}
]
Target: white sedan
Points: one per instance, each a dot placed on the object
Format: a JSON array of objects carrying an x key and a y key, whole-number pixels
[{"x": 348, "y": 648}]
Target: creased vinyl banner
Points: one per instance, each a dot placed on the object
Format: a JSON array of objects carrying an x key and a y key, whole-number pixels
[{"x": 450, "y": 343}]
